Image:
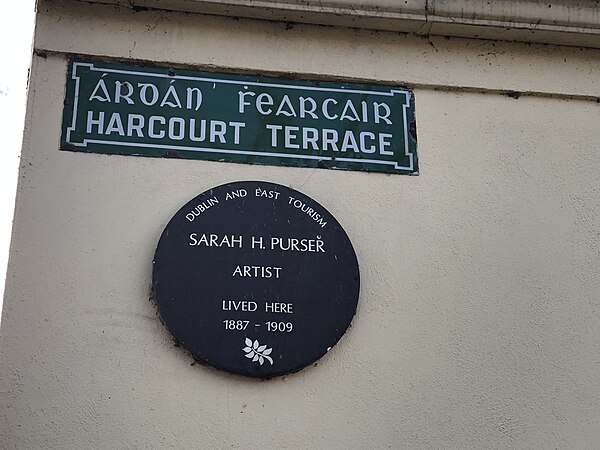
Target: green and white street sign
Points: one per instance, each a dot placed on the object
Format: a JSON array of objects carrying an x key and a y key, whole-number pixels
[{"x": 151, "y": 111}]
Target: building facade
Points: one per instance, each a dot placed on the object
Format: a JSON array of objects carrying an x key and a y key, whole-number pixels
[{"x": 477, "y": 320}]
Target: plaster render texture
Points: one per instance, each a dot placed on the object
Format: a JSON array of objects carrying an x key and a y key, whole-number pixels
[
  {"x": 477, "y": 324},
  {"x": 563, "y": 22}
]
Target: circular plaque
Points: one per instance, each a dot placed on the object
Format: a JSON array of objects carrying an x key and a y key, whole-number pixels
[{"x": 255, "y": 278}]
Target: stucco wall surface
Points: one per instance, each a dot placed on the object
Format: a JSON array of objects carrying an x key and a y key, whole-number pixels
[
  {"x": 563, "y": 22},
  {"x": 478, "y": 317}
]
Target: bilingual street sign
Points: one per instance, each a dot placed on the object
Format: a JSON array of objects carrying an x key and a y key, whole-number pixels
[
  {"x": 255, "y": 278},
  {"x": 155, "y": 111}
]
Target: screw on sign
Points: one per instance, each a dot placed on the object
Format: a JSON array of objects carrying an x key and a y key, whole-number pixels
[{"x": 255, "y": 278}]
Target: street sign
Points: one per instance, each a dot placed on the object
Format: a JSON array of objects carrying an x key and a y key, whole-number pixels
[
  {"x": 255, "y": 278},
  {"x": 154, "y": 111}
]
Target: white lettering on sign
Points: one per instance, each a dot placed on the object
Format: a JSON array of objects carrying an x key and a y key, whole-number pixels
[
  {"x": 159, "y": 127},
  {"x": 201, "y": 207},
  {"x": 275, "y": 307},
  {"x": 299, "y": 204},
  {"x": 282, "y": 327},
  {"x": 258, "y": 243},
  {"x": 256, "y": 272},
  {"x": 214, "y": 240},
  {"x": 147, "y": 93},
  {"x": 242, "y": 305},
  {"x": 125, "y": 96},
  {"x": 326, "y": 139},
  {"x": 238, "y": 193},
  {"x": 238, "y": 325},
  {"x": 297, "y": 245},
  {"x": 144, "y": 93},
  {"x": 266, "y": 193},
  {"x": 266, "y": 105}
]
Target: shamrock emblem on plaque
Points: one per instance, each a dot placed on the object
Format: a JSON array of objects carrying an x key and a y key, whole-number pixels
[{"x": 256, "y": 352}]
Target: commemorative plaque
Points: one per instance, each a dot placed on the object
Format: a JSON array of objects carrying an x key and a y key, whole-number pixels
[{"x": 255, "y": 278}]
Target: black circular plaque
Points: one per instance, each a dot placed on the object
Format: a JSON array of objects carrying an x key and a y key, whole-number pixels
[{"x": 255, "y": 278}]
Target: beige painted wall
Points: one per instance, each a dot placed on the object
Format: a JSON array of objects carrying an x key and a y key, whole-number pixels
[{"x": 478, "y": 321}]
